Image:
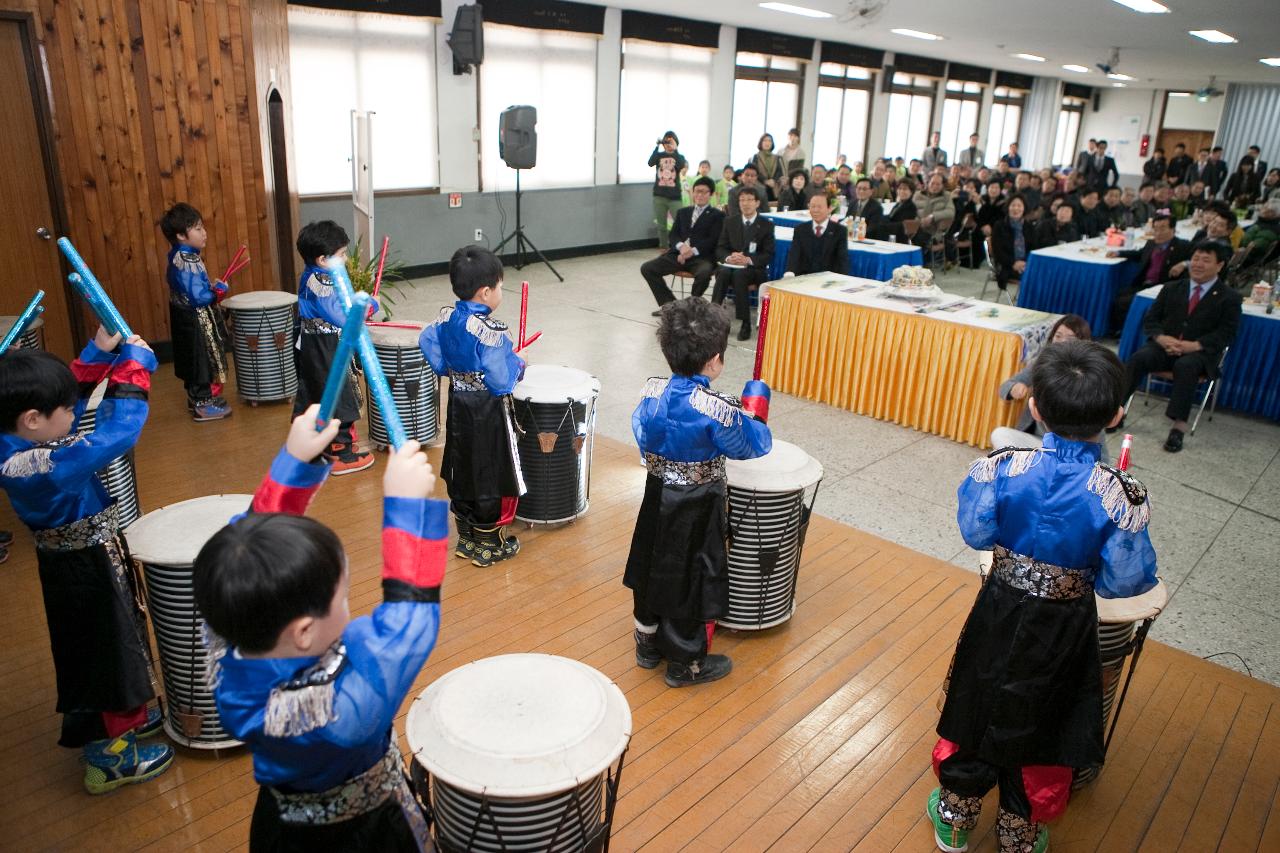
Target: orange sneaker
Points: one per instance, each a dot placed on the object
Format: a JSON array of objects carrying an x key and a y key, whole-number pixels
[{"x": 345, "y": 460}]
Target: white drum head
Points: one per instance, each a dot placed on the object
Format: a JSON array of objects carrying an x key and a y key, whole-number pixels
[
  {"x": 553, "y": 383},
  {"x": 260, "y": 299},
  {"x": 173, "y": 535},
  {"x": 785, "y": 468},
  {"x": 7, "y": 321},
  {"x": 1136, "y": 608},
  {"x": 517, "y": 726},
  {"x": 390, "y": 336}
]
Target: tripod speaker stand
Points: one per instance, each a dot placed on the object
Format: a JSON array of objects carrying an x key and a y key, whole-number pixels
[{"x": 521, "y": 240}]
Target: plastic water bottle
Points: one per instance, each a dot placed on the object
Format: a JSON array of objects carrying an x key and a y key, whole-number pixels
[
  {"x": 1275, "y": 294},
  {"x": 893, "y": 238}
]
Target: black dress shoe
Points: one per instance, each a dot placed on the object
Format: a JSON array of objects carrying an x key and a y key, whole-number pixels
[
  {"x": 1174, "y": 442},
  {"x": 1117, "y": 427},
  {"x": 710, "y": 668},
  {"x": 745, "y": 332}
]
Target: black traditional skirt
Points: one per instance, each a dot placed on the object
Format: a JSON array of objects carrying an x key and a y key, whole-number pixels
[
  {"x": 312, "y": 357},
  {"x": 1026, "y": 682},
  {"x": 481, "y": 461},
  {"x": 97, "y": 628},
  {"x": 199, "y": 344},
  {"x": 679, "y": 561}
]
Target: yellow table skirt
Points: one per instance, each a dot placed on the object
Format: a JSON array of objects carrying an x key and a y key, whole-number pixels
[{"x": 924, "y": 373}]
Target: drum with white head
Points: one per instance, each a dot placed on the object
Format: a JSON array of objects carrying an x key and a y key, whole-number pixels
[
  {"x": 32, "y": 338},
  {"x": 413, "y": 384},
  {"x": 120, "y": 476},
  {"x": 262, "y": 332},
  {"x": 555, "y": 410},
  {"x": 523, "y": 751},
  {"x": 166, "y": 542},
  {"x": 770, "y": 501}
]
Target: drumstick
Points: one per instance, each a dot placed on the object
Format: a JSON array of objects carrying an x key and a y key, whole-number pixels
[
  {"x": 521, "y": 348},
  {"x": 89, "y": 288},
  {"x": 235, "y": 269},
  {"x": 231, "y": 267},
  {"x": 382, "y": 259},
  {"x": 524, "y": 313},
  {"x": 351, "y": 329},
  {"x": 1123, "y": 462},
  {"x": 764, "y": 324},
  {"x": 33, "y": 310},
  {"x": 396, "y": 325}
]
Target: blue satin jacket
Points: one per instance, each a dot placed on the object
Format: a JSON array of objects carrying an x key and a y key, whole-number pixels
[
  {"x": 1060, "y": 506},
  {"x": 465, "y": 339},
  {"x": 317, "y": 301},
  {"x": 683, "y": 420},
  {"x": 188, "y": 279}
]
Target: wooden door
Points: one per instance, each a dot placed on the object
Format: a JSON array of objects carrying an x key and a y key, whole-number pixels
[
  {"x": 28, "y": 262},
  {"x": 1193, "y": 139}
]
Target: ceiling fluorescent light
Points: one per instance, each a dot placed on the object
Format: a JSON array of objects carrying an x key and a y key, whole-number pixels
[
  {"x": 1115, "y": 75},
  {"x": 1215, "y": 36},
  {"x": 796, "y": 10},
  {"x": 1146, "y": 7},
  {"x": 1179, "y": 94},
  {"x": 1118, "y": 85},
  {"x": 1079, "y": 69},
  {"x": 1271, "y": 60},
  {"x": 1031, "y": 57},
  {"x": 916, "y": 34}
]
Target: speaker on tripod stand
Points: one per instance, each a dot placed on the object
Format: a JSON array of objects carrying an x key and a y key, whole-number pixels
[{"x": 518, "y": 147}]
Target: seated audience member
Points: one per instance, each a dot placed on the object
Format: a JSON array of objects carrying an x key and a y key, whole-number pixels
[
  {"x": 991, "y": 210},
  {"x": 915, "y": 171},
  {"x": 1022, "y": 186},
  {"x": 795, "y": 196},
  {"x": 1143, "y": 207},
  {"x": 901, "y": 211},
  {"x": 1027, "y": 432},
  {"x": 962, "y": 246},
  {"x": 1011, "y": 243},
  {"x": 818, "y": 184},
  {"x": 750, "y": 184},
  {"x": 1191, "y": 322},
  {"x": 1057, "y": 229},
  {"x": 1013, "y": 160},
  {"x": 1114, "y": 213},
  {"x": 1261, "y": 235},
  {"x": 1156, "y": 259},
  {"x": 1244, "y": 186},
  {"x": 693, "y": 246},
  {"x": 1181, "y": 206},
  {"x": 864, "y": 205},
  {"x": 1089, "y": 219},
  {"x": 881, "y": 187},
  {"x": 845, "y": 182},
  {"x": 899, "y": 166},
  {"x": 820, "y": 245},
  {"x": 1271, "y": 185},
  {"x": 1220, "y": 224},
  {"x": 983, "y": 176},
  {"x": 1049, "y": 181},
  {"x": 936, "y": 212},
  {"x": 744, "y": 251}
]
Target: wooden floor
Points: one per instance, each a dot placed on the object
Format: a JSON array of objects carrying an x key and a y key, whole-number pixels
[{"x": 819, "y": 739}]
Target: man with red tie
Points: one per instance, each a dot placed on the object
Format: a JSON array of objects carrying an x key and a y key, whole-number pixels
[
  {"x": 1192, "y": 321},
  {"x": 820, "y": 245}
]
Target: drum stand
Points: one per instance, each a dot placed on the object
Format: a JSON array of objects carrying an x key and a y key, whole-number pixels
[
  {"x": 521, "y": 240},
  {"x": 1139, "y": 638}
]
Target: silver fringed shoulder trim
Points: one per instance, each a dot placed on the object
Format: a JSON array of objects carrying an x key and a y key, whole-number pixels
[
  {"x": 1124, "y": 499},
  {"x": 1022, "y": 460},
  {"x": 719, "y": 408},
  {"x": 485, "y": 332},
  {"x": 188, "y": 261},
  {"x": 443, "y": 317},
  {"x": 320, "y": 284},
  {"x": 655, "y": 386},
  {"x": 305, "y": 702},
  {"x": 215, "y": 648},
  {"x": 28, "y": 463}
]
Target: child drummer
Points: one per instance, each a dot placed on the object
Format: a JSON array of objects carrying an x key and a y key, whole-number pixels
[
  {"x": 1024, "y": 699},
  {"x": 98, "y": 632},
  {"x": 313, "y": 692},
  {"x": 678, "y": 566},
  {"x": 480, "y": 463}
]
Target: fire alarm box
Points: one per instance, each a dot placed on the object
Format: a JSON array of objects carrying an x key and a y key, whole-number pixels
[{"x": 1145, "y": 146}]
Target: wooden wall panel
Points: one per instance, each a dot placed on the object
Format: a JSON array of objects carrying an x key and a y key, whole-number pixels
[{"x": 155, "y": 102}]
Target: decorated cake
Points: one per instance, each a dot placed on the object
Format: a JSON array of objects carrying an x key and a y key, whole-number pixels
[{"x": 913, "y": 282}]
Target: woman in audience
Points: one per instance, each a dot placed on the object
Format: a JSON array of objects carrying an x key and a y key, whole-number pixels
[
  {"x": 1244, "y": 186},
  {"x": 768, "y": 166},
  {"x": 964, "y": 241},
  {"x": 1058, "y": 227},
  {"x": 1070, "y": 327},
  {"x": 897, "y": 214},
  {"x": 795, "y": 196},
  {"x": 1271, "y": 185},
  {"x": 991, "y": 210},
  {"x": 1011, "y": 242}
]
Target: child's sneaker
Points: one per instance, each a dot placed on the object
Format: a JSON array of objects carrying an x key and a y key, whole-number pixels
[
  {"x": 948, "y": 838},
  {"x": 153, "y": 726},
  {"x": 1042, "y": 841},
  {"x": 466, "y": 547},
  {"x": 710, "y": 668},
  {"x": 209, "y": 410},
  {"x": 492, "y": 546},
  {"x": 6, "y": 538},
  {"x": 120, "y": 761},
  {"x": 647, "y": 654},
  {"x": 345, "y": 460}
]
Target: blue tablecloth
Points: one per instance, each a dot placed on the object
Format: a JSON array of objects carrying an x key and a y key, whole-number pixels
[
  {"x": 862, "y": 263},
  {"x": 788, "y": 218},
  {"x": 1251, "y": 374},
  {"x": 1065, "y": 286}
]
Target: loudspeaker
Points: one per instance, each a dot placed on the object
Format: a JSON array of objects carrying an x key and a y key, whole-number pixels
[
  {"x": 1097, "y": 100},
  {"x": 517, "y": 138},
  {"x": 467, "y": 39}
]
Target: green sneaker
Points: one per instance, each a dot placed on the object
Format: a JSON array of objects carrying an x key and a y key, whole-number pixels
[
  {"x": 1042, "y": 841},
  {"x": 120, "y": 761},
  {"x": 948, "y": 838}
]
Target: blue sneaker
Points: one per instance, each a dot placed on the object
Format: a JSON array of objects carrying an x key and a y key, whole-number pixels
[
  {"x": 153, "y": 726},
  {"x": 114, "y": 762},
  {"x": 209, "y": 410}
]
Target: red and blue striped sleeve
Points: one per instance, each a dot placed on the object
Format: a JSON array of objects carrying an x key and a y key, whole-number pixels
[
  {"x": 290, "y": 485},
  {"x": 415, "y": 544},
  {"x": 91, "y": 367}
]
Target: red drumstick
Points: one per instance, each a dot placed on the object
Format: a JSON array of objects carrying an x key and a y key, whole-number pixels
[
  {"x": 524, "y": 313},
  {"x": 1123, "y": 462},
  {"x": 536, "y": 335},
  {"x": 764, "y": 325},
  {"x": 396, "y": 325},
  {"x": 382, "y": 259},
  {"x": 232, "y": 269}
]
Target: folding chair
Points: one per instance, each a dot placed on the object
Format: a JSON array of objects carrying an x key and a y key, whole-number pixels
[
  {"x": 681, "y": 276},
  {"x": 993, "y": 275},
  {"x": 1207, "y": 389}
]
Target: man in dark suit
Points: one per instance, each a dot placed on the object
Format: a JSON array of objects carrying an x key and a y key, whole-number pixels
[
  {"x": 1154, "y": 259},
  {"x": 1101, "y": 171},
  {"x": 1200, "y": 170},
  {"x": 1081, "y": 166},
  {"x": 693, "y": 245},
  {"x": 820, "y": 245},
  {"x": 1176, "y": 172},
  {"x": 746, "y": 246},
  {"x": 1089, "y": 217},
  {"x": 1217, "y": 171},
  {"x": 1259, "y": 165},
  {"x": 864, "y": 205},
  {"x": 1192, "y": 321}
]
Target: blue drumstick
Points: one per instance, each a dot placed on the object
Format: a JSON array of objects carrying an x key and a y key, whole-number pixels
[
  {"x": 88, "y": 286},
  {"x": 33, "y": 310},
  {"x": 338, "y": 370},
  {"x": 373, "y": 373}
]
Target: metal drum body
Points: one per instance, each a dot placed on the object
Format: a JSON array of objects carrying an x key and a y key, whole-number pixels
[
  {"x": 520, "y": 750},
  {"x": 166, "y": 542},
  {"x": 414, "y": 385},
  {"x": 555, "y": 410},
  {"x": 769, "y": 508},
  {"x": 119, "y": 477},
  {"x": 32, "y": 338},
  {"x": 262, "y": 335}
]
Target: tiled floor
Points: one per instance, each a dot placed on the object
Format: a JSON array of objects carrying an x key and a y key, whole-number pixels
[{"x": 1216, "y": 521}]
